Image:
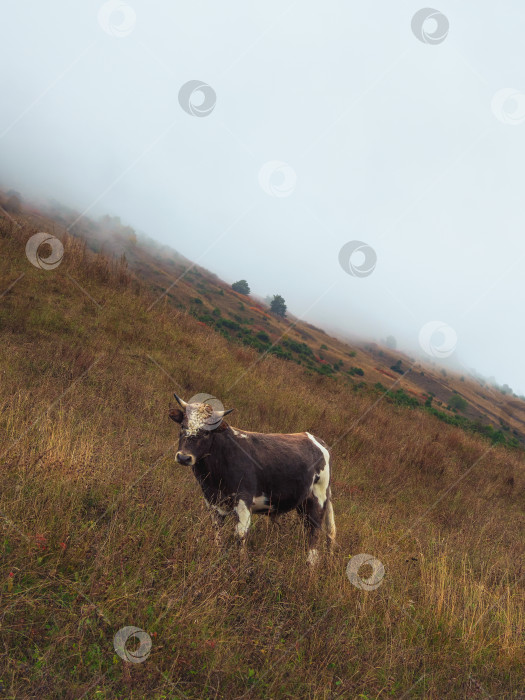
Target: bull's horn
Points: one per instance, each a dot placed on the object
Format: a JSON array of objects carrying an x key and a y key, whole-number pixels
[
  {"x": 221, "y": 414},
  {"x": 181, "y": 403}
]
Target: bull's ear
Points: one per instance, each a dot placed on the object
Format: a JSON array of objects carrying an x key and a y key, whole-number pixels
[{"x": 176, "y": 414}]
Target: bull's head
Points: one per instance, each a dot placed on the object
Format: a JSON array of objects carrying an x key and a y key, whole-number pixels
[{"x": 197, "y": 422}]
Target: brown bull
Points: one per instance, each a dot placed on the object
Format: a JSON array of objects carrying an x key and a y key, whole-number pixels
[{"x": 244, "y": 472}]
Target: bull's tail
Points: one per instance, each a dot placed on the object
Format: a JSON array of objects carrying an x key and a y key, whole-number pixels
[{"x": 330, "y": 523}]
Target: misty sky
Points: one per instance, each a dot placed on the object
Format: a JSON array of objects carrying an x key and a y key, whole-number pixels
[{"x": 407, "y": 146}]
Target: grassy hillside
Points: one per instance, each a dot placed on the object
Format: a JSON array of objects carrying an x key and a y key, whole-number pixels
[{"x": 101, "y": 529}]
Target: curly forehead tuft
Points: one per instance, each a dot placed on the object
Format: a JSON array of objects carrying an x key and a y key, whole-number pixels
[{"x": 198, "y": 415}]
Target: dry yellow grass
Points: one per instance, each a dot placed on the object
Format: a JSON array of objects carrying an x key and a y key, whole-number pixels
[{"x": 101, "y": 529}]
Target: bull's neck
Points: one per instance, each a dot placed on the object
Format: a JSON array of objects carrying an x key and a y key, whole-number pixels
[{"x": 216, "y": 454}]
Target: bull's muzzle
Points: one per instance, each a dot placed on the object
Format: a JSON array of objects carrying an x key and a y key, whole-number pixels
[{"x": 184, "y": 459}]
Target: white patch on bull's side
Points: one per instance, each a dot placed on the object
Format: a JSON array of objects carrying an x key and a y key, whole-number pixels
[
  {"x": 197, "y": 414},
  {"x": 238, "y": 433},
  {"x": 261, "y": 502},
  {"x": 313, "y": 557},
  {"x": 320, "y": 488},
  {"x": 243, "y": 513}
]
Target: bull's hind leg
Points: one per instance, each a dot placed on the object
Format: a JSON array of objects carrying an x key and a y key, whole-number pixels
[
  {"x": 318, "y": 503},
  {"x": 312, "y": 514}
]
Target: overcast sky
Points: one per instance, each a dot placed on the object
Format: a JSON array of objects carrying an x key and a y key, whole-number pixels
[{"x": 324, "y": 123}]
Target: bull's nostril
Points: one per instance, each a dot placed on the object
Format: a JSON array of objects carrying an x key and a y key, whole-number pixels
[{"x": 182, "y": 458}]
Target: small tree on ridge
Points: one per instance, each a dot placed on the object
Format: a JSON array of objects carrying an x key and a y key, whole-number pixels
[
  {"x": 278, "y": 305},
  {"x": 242, "y": 287}
]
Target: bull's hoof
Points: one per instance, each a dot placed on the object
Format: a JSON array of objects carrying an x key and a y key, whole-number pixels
[{"x": 313, "y": 557}]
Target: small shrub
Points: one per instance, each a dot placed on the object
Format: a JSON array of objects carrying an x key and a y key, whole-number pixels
[
  {"x": 356, "y": 371},
  {"x": 458, "y": 402}
]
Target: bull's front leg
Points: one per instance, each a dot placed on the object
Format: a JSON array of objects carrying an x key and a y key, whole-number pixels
[
  {"x": 243, "y": 514},
  {"x": 218, "y": 516}
]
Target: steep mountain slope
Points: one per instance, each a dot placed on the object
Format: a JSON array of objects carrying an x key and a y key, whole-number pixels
[
  {"x": 178, "y": 282},
  {"x": 102, "y": 530}
]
